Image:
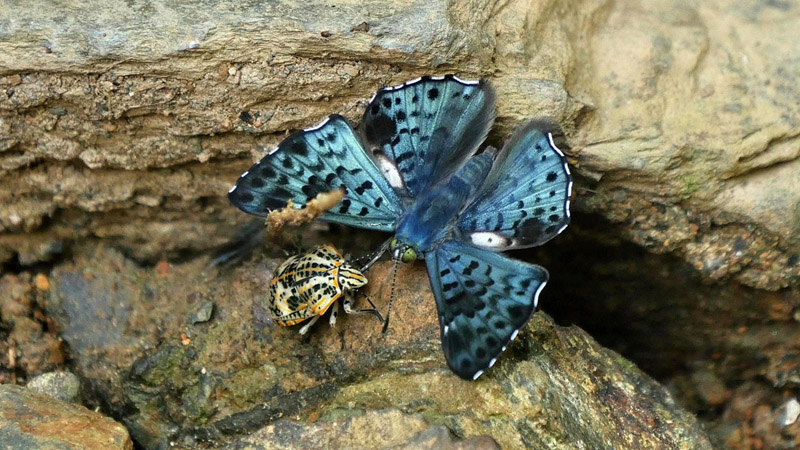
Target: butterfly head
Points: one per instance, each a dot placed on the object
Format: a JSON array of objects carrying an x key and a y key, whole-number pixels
[{"x": 403, "y": 252}]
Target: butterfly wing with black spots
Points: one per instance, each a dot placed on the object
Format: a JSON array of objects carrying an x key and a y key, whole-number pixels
[
  {"x": 483, "y": 300},
  {"x": 423, "y": 130},
  {"x": 524, "y": 200},
  {"x": 315, "y": 160}
]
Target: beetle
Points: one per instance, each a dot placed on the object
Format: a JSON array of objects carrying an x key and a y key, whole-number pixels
[{"x": 306, "y": 285}]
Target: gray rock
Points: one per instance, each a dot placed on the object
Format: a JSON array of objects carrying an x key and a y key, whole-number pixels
[
  {"x": 64, "y": 386},
  {"x": 202, "y": 312}
]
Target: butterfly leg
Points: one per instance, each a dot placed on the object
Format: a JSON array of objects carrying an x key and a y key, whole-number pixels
[
  {"x": 348, "y": 308},
  {"x": 305, "y": 328}
]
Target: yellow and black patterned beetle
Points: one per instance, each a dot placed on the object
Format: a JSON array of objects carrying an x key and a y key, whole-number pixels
[{"x": 306, "y": 285}]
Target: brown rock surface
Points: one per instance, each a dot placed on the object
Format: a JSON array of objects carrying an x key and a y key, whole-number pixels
[
  {"x": 27, "y": 341},
  {"x": 373, "y": 429},
  {"x": 127, "y": 122},
  {"x": 172, "y": 380},
  {"x": 29, "y": 420},
  {"x": 683, "y": 119}
]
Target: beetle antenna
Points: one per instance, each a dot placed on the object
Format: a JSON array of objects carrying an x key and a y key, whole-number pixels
[{"x": 374, "y": 257}]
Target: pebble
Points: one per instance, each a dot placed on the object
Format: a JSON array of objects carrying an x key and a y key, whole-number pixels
[
  {"x": 791, "y": 410},
  {"x": 709, "y": 387},
  {"x": 202, "y": 313},
  {"x": 64, "y": 386}
]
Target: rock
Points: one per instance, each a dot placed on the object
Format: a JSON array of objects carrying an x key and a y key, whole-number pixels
[
  {"x": 64, "y": 386},
  {"x": 755, "y": 416},
  {"x": 26, "y": 344},
  {"x": 202, "y": 313},
  {"x": 790, "y": 412},
  {"x": 374, "y": 429},
  {"x": 157, "y": 128},
  {"x": 111, "y": 312},
  {"x": 237, "y": 376},
  {"x": 29, "y": 420},
  {"x": 709, "y": 387},
  {"x": 682, "y": 121}
]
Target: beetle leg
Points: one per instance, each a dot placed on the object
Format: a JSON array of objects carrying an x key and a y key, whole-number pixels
[
  {"x": 305, "y": 328},
  {"x": 334, "y": 313},
  {"x": 348, "y": 307}
]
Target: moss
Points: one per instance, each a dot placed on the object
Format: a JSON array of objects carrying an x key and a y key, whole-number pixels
[{"x": 690, "y": 185}]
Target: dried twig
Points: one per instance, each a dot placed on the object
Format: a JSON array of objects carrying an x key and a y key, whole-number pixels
[{"x": 290, "y": 215}]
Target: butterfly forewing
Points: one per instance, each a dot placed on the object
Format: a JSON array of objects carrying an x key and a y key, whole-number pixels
[
  {"x": 524, "y": 201},
  {"x": 426, "y": 128},
  {"x": 483, "y": 300},
  {"x": 320, "y": 159}
]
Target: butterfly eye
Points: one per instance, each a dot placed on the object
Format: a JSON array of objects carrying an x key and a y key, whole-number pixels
[
  {"x": 393, "y": 244},
  {"x": 408, "y": 255}
]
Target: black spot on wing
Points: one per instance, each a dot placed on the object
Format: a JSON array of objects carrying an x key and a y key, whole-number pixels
[
  {"x": 245, "y": 197},
  {"x": 344, "y": 206},
  {"x": 365, "y": 186},
  {"x": 381, "y": 129},
  {"x": 268, "y": 172},
  {"x": 298, "y": 148},
  {"x": 402, "y": 157}
]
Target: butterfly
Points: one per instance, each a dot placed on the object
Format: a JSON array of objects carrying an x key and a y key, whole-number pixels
[{"x": 412, "y": 168}]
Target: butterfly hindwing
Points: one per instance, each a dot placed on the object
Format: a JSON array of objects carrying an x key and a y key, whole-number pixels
[
  {"x": 320, "y": 159},
  {"x": 524, "y": 200},
  {"x": 483, "y": 299},
  {"x": 422, "y": 130}
]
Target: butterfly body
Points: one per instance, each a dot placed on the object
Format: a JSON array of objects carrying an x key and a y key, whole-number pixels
[
  {"x": 431, "y": 218},
  {"x": 412, "y": 168}
]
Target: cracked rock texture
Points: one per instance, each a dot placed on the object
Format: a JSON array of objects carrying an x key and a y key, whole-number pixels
[
  {"x": 129, "y": 121},
  {"x": 123, "y": 125}
]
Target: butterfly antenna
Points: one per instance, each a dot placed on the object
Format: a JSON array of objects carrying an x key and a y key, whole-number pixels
[{"x": 391, "y": 297}]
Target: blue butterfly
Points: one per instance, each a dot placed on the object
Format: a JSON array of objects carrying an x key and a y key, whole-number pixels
[{"x": 411, "y": 168}]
